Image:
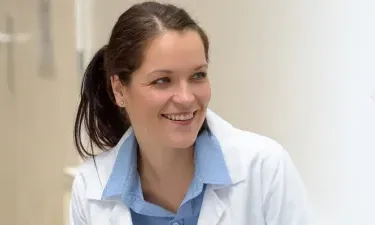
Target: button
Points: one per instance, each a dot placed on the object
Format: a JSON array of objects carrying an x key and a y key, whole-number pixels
[{"x": 175, "y": 223}]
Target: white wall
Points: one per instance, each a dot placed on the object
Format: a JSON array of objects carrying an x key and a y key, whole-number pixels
[
  {"x": 7, "y": 139},
  {"x": 303, "y": 73},
  {"x": 37, "y": 118}
]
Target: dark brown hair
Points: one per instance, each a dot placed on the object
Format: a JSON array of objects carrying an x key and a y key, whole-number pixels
[{"x": 103, "y": 120}]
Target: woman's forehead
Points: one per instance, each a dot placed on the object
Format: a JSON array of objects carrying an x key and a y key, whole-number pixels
[{"x": 174, "y": 50}]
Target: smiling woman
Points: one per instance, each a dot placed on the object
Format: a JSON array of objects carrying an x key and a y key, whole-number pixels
[
  {"x": 167, "y": 158},
  {"x": 169, "y": 92}
]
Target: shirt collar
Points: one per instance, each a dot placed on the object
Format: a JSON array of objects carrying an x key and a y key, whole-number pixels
[
  {"x": 210, "y": 166},
  {"x": 123, "y": 177}
]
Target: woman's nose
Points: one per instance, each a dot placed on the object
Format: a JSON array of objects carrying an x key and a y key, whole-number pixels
[{"x": 184, "y": 95}]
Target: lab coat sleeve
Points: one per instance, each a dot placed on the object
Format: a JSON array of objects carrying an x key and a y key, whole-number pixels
[
  {"x": 77, "y": 211},
  {"x": 285, "y": 201}
]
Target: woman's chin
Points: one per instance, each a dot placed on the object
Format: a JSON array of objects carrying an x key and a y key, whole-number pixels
[{"x": 182, "y": 141}]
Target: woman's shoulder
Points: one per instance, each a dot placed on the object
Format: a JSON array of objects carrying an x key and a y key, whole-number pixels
[
  {"x": 258, "y": 158},
  {"x": 249, "y": 145},
  {"x": 92, "y": 174},
  {"x": 244, "y": 150},
  {"x": 226, "y": 131}
]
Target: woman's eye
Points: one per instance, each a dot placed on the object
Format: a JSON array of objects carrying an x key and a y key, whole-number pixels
[
  {"x": 200, "y": 75},
  {"x": 163, "y": 80}
]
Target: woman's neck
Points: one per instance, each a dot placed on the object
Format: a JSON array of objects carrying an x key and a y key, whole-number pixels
[
  {"x": 166, "y": 164},
  {"x": 166, "y": 175}
]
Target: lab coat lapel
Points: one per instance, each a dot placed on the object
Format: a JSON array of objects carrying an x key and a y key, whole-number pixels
[
  {"x": 212, "y": 208},
  {"x": 120, "y": 215}
]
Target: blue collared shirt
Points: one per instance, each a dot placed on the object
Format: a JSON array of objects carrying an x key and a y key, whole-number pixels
[{"x": 124, "y": 183}]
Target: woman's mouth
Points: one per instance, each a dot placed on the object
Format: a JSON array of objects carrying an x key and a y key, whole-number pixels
[{"x": 180, "y": 116}]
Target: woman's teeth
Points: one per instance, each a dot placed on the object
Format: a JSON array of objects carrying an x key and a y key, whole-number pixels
[{"x": 179, "y": 117}]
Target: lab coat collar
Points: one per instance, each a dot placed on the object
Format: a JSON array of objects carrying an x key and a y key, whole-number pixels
[{"x": 226, "y": 134}]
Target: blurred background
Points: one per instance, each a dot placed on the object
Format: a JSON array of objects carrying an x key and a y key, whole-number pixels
[{"x": 301, "y": 72}]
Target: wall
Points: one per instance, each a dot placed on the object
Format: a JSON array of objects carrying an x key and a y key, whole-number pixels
[
  {"x": 7, "y": 193},
  {"x": 36, "y": 119},
  {"x": 301, "y": 72}
]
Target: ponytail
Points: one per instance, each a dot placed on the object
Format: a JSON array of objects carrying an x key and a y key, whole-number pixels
[{"x": 104, "y": 123}]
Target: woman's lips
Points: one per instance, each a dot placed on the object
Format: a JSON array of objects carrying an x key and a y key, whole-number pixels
[{"x": 184, "y": 118}]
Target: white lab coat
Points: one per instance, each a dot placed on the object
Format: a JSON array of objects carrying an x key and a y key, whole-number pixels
[{"x": 267, "y": 189}]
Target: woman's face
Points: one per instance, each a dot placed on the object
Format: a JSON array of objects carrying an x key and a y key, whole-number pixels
[{"x": 168, "y": 96}]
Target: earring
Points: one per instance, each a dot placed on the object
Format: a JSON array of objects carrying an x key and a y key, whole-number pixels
[{"x": 122, "y": 102}]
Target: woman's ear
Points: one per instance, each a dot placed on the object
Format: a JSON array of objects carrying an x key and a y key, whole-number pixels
[{"x": 118, "y": 91}]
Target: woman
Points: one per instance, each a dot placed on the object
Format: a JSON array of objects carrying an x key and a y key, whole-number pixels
[{"x": 166, "y": 158}]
